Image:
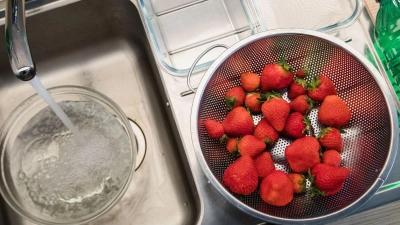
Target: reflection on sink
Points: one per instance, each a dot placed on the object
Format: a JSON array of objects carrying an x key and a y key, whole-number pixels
[{"x": 101, "y": 44}]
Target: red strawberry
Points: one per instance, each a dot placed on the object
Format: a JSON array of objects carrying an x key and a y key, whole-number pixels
[
  {"x": 331, "y": 158},
  {"x": 299, "y": 182},
  {"x": 252, "y": 102},
  {"x": 276, "y": 189},
  {"x": 303, "y": 72},
  {"x": 238, "y": 122},
  {"x": 264, "y": 163},
  {"x": 321, "y": 87},
  {"x": 276, "y": 110},
  {"x": 251, "y": 146},
  {"x": 250, "y": 81},
  {"x": 231, "y": 145},
  {"x": 296, "y": 88},
  {"x": 297, "y": 125},
  {"x": 276, "y": 76},
  {"x": 303, "y": 154},
  {"x": 214, "y": 129},
  {"x": 328, "y": 179},
  {"x": 234, "y": 97},
  {"x": 265, "y": 132},
  {"x": 302, "y": 104},
  {"x": 241, "y": 176},
  {"x": 330, "y": 138},
  {"x": 334, "y": 112}
]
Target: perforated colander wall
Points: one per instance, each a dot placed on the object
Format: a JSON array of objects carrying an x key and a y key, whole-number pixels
[{"x": 366, "y": 142}]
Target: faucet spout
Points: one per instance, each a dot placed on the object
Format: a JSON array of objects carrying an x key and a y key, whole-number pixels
[{"x": 17, "y": 43}]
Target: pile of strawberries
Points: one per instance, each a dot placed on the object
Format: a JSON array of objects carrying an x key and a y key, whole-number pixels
[{"x": 315, "y": 158}]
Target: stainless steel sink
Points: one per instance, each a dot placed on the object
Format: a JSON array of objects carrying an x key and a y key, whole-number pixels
[{"x": 101, "y": 44}]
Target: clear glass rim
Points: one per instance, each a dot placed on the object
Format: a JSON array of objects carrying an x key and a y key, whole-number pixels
[{"x": 36, "y": 99}]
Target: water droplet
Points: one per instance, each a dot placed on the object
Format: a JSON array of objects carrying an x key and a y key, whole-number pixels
[{"x": 21, "y": 175}]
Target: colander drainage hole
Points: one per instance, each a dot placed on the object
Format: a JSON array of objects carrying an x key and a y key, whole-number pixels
[{"x": 141, "y": 143}]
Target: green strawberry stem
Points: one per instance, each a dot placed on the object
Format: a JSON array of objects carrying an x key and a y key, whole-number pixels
[
  {"x": 315, "y": 192},
  {"x": 303, "y": 183},
  {"x": 307, "y": 124},
  {"x": 322, "y": 133},
  {"x": 230, "y": 102},
  {"x": 224, "y": 138},
  {"x": 311, "y": 104},
  {"x": 269, "y": 95},
  {"x": 269, "y": 142},
  {"x": 302, "y": 82},
  {"x": 314, "y": 83},
  {"x": 341, "y": 130},
  {"x": 284, "y": 64}
]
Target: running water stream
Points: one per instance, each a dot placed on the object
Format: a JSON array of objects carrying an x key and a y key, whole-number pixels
[
  {"x": 42, "y": 92},
  {"x": 71, "y": 174}
]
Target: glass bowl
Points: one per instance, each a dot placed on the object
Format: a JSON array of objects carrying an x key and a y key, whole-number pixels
[{"x": 49, "y": 177}]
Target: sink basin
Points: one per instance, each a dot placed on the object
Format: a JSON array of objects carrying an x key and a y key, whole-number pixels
[{"x": 101, "y": 44}]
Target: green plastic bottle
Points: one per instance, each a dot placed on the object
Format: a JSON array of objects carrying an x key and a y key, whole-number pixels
[{"x": 387, "y": 32}]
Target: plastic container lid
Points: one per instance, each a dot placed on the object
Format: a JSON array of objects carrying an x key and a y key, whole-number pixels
[
  {"x": 182, "y": 29},
  {"x": 327, "y": 15}
]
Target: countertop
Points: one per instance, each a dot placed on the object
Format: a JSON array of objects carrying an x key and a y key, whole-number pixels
[{"x": 386, "y": 214}]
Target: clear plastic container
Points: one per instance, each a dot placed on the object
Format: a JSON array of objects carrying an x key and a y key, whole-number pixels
[
  {"x": 182, "y": 29},
  {"x": 325, "y": 16}
]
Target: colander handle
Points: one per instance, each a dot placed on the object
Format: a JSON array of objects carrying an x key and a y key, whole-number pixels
[{"x": 193, "y": 90}]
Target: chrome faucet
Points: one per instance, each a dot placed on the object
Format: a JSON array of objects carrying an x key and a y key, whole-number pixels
[{"x": 17, "y": 42}]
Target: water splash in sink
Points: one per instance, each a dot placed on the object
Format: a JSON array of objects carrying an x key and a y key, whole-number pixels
[{"x": 42, "y": 92}]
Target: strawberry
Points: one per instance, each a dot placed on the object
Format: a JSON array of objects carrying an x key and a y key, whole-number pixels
[
  {"x": 251, "y": 146},
  {"x": 238, "y": 122},
  {"x": 302, "y": 104},
  {"x": 330, "y": 138},
  {"x": 214, "y": 129},
  {"x": 276, "y": 188},
  {"x": 252, "y": 102},
  {"x": 297, "y": 125},
  {"x": 303, "y": 72},
  {"x": 299, "y": 182},
  {"x": 331, "y": 158},
  {"x": 231, "y": 146},
  {"x": 234, "y": 97},
  {"x": 328, "y": 179},
  {"x": 303, "y": 154},
  {"x": 265, "y": 132},
  {"x": 250, "y": 81},
  {"x": 276, "y": 110},
  {"x": 276, "y": 76},
  {"x": 241, "y": 176},
  {"x": 321, "y": 87},
  {"x": 296, "y": 88},
  {"x": 264, "y": 163},
  {"x": 334, "y": 112}
]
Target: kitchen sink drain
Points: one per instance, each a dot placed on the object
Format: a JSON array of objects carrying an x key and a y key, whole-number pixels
[{"x": 141, "y": 143}]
